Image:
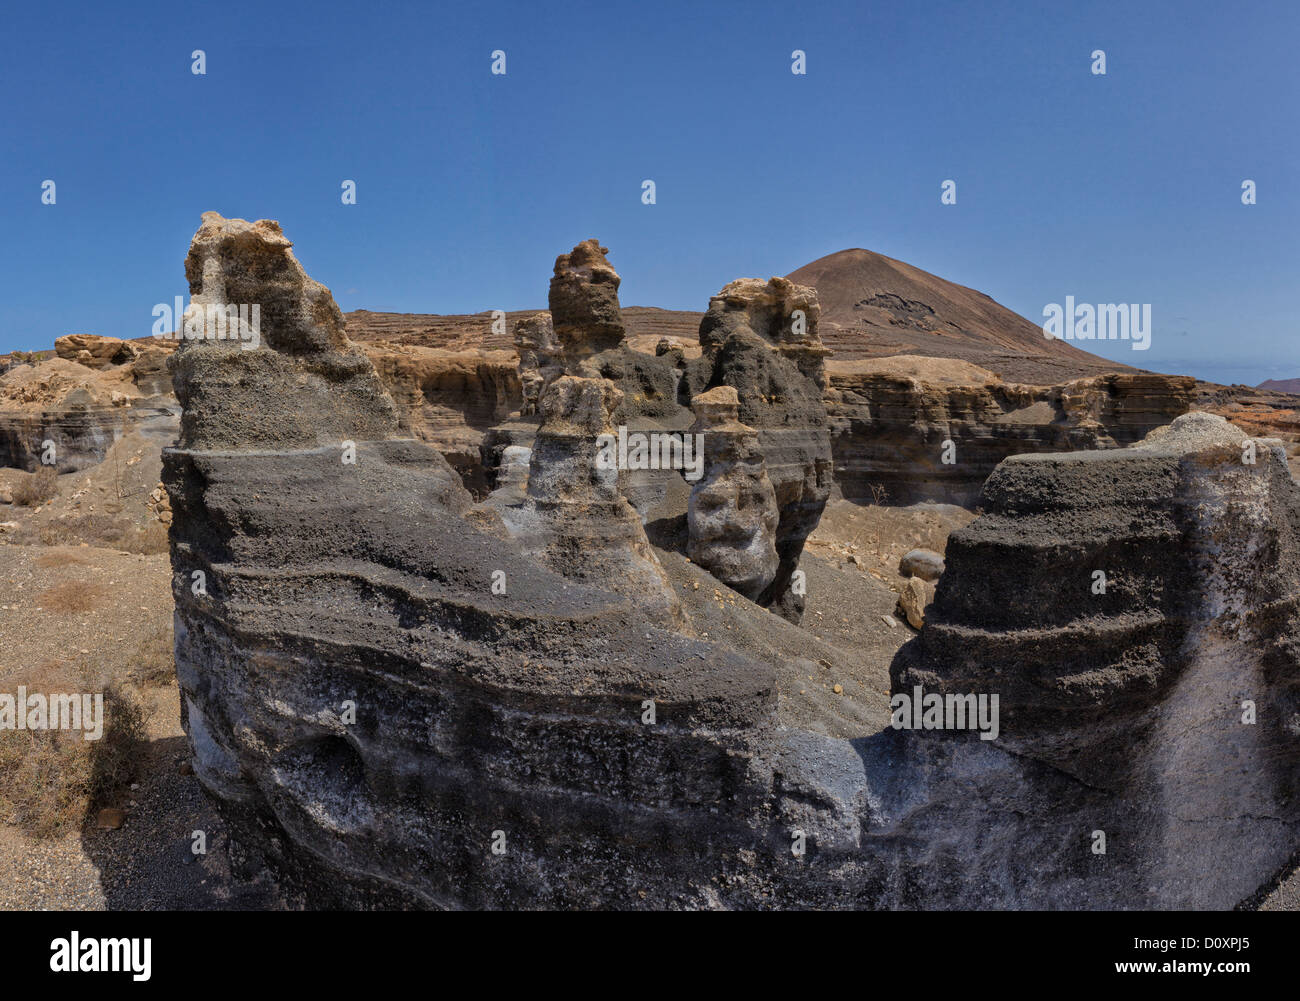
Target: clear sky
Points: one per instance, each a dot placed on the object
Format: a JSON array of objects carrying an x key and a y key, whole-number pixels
[{"x": 1122, "y": 187}]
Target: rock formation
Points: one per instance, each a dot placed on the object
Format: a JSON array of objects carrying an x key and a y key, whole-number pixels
[
  {"x": 396, "y": 703},
  {"x": 95, "y": 352},
  {"x": 540, "y": 358},
  {"x": 328, "y": 584},
  {"x": 451, "y": 399},
  {"x": 761, "y": 339},
  {"x": 80, "y": 407},
  {"x": 733, "y": 514},
  {"x": 892, "y": 419},
  {"x": 575, "y": 520},
  {"x": 1128, "y": 605},
  {"x": 584, "y": 304}
]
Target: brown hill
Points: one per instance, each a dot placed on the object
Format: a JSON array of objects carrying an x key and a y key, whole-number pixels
[
  {"x": 874, "y": 306},
  {"x": 1281, "y": 385}
]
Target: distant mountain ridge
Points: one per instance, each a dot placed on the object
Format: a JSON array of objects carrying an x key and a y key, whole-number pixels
[
  {"x": 1281, "y": 385},
  {"x": 874, "y": 306}
]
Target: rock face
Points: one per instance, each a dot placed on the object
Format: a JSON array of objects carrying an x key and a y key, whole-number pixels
[
  {"x": 451, "y": 399},
  {"x": 891, "y": 421},
  {"x": 733, "y": 514},
  {"x": 370, "y": 583},
  {"x": 81, "y": 410},
  {"x": 1126, "y": 605},
  {"x": 540, "y": 358},
  {"x": 584, "y": 304},
  {"x": 760, "y": 338},
  {"x": 575, "y": 521}
]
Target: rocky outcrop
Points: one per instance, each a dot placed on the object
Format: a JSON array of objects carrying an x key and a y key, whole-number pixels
[
  {"x": 395, "y": 702},
  {"x": 540, "y": 358},
  {"x": 450, "y": 399},
  {"x": 575, "y": 520},
  {"x": 79, "y": 410},
  {"x": 733, "y": 514},
  {"x": 905, "y": 430},
  {"x": 94, "y": 351},
  {"x": 584, "y": 304},
  {"x": 761, "y": 339},
  {"x": 1136, "y": 611}
]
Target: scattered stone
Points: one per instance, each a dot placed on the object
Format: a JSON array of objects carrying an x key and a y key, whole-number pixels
[
  {"x": 110, "y": 818},
  {"x": 912, "y": 600},
  {"x": 923, "y": 563}
]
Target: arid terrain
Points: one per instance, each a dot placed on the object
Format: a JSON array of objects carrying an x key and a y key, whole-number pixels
[{"x": 903, "y": 484}]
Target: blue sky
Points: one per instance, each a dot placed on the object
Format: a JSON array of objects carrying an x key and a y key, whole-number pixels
[{"x": 1123, "y": 187}]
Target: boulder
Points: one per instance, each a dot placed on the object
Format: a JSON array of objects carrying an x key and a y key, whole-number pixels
[{"x": 923, "y": 563}]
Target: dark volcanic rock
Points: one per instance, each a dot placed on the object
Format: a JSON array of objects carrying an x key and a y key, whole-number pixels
[
  {"x": 1125, "y": 605},
  {"x": 760, "y": 338},
  {"x": 395, "y": 703}
]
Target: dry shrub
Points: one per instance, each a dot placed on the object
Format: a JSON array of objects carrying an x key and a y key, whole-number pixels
[
  {"x": 37, "y": 488},
  {"x": 73, "y": 596},
  {"x": 153, "y": 661},
  {"x": 106, "y": 533},
  {"x": 54, "y": 777},
  {"x": 49, "y": 561}
]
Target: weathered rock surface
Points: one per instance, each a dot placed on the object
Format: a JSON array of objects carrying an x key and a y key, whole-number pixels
[
  {"x": 584, "y": 304},
  {"x": 370, "y": 582},
  {"x": 94, "y": 351},
  {"x": 575, "y": 520},
  {"x": 733, "y": 514},
  {"x": 82, "y": 410},
  {"x": 891, "y": 422},
  {"x": 760, "y": 338},
  {"x": 381, "y": 726},
  {"x": 450, "y": 399},
  {"x": 540, "y": 358},
  {"x": 1126, "y": 605}
]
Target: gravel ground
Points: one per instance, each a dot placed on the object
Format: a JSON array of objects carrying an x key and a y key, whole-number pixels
[{"x": 148, "y": 862}]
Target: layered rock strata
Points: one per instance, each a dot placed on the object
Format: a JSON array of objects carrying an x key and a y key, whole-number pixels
[
  {"x": 1138, "y": 612},
  {"x": 905, "y": 430},
  {"x": 574, "y": 519},
  {"x": 760, "y": 338},
  {"x": 393, "y": 704}
]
